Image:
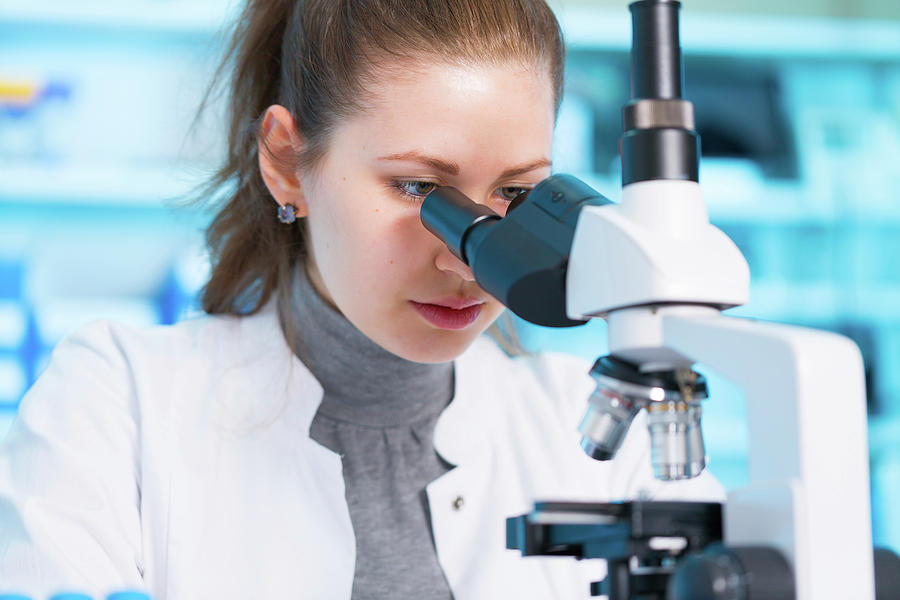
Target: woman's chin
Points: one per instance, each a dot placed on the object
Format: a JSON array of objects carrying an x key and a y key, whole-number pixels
[
  {"x": 426, "y": 344},
  {"x": 416, "y": 339},
  {"x": 438, "y": 347}
]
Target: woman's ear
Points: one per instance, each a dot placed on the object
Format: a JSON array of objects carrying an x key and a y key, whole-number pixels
[{"x": 279, "y": 143}]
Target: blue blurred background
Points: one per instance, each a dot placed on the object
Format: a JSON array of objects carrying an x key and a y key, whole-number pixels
[{"x": 798, "y": 107}]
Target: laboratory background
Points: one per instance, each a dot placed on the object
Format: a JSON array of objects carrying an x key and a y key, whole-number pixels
[{"x": 797, "y": 105}]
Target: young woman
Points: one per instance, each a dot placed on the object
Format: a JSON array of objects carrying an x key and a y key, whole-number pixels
[{"x": 337, "y": 426}]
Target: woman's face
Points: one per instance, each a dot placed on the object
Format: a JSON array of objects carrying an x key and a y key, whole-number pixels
[{"x": 485, "y": 130}]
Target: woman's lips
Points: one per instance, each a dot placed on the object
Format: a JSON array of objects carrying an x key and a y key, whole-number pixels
[{"x": 444, "y": 316}]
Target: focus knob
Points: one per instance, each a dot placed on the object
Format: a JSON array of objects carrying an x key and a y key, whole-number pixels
[{"x": 721, "y": 573}]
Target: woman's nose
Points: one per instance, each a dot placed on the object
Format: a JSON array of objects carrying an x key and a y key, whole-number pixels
[{"x": 446, "y": 261}]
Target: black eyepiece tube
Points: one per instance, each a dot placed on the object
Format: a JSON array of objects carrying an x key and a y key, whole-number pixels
[
  {"x": 655, "y": 51},
  {"x": 659, "y": 141},
  {"x": 450, "y": 215}
]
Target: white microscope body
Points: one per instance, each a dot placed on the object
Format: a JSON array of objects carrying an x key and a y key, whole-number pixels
[{"x": 664, "y": 275}]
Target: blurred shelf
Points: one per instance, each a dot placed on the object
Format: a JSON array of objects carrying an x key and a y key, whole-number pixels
[
  {"x": 203, "y": 17},
  {"x": 732, "y": 196},
  {"x": 791, "y": 302},
  {"x": 817, "y": 302},
  {"x": 95, "y": 183},
  {"x": 13, "y": 323},
  {"x": 58, "y": 317},
  {"x": 736, "y": 195},
  {"x": 589, "y": 28},
  {"x": 586, "y": 27}
]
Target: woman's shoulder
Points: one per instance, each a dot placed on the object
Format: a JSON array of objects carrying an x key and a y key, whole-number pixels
[
  {"x": 207, "y": 366},
  {"x": 209, "y": 336},
  {"x": 153, "y": 368}
]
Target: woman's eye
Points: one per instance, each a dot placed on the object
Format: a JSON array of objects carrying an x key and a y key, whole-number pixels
[
  {"x": 419, "y": 189},
  {"x": 509, "y": 193}
]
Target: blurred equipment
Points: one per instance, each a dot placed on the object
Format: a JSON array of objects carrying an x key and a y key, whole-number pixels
[
  {"x": 660, "y": 274},
  {"x": 24, "y": 113}
]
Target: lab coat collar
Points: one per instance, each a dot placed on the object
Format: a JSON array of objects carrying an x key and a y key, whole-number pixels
[
  {"x": 265, "y": 341},
  {"x": 461, "y": 430}
]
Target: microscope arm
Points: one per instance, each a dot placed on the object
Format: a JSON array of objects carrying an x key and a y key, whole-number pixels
[{"x": 808, "y": 484}]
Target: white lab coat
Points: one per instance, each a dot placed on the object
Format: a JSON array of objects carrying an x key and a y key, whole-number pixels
[{"x": 177, "y": 460}]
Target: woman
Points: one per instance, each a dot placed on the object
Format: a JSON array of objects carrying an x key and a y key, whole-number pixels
[{"x": 338, "y": 426}]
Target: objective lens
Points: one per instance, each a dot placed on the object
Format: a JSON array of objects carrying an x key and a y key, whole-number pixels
[
  {"x": 605, "y": 424},
  {"x": 695, "y": 445},
  {"x": 676, "y": 440}
]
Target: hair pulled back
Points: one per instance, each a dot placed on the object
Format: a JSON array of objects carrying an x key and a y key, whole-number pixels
[{"x": 314, "y": 57}]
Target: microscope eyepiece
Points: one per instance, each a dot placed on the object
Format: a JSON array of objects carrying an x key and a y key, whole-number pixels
[
  {"x": 656, "y": 51},
  {"x": 658, "y": 141},
  {"x": 522, "y": 258},
  {"x": 450, "y": 215}
]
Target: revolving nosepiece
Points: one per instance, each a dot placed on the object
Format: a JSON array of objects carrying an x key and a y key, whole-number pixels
[{"x": 672, "y": 400}]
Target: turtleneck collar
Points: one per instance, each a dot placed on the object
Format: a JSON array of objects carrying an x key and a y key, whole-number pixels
[{"x": 363, "y": 383}]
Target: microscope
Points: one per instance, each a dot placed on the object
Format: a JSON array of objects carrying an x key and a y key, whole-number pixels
[{"x": 661, "y": 276}]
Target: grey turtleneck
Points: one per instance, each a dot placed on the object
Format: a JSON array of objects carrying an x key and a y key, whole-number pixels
[{"x": 378, "y": 412}]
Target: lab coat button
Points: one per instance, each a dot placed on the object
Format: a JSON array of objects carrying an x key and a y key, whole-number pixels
[{"x": 458, "y": 503}]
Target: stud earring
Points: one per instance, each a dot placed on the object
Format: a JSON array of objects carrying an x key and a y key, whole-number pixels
[{"x": 287, "y": 214}]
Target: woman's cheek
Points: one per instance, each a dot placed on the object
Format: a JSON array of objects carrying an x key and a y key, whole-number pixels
[
  {"x": 383, "y": 258},
  {"x": 406, "y": 237}
]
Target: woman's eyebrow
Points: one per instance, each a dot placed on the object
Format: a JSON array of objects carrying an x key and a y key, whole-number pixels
[
  {"x": 513, "y": 171},
  {"x": 416, "y": 156},
  {"x": 453, "y": 168}
]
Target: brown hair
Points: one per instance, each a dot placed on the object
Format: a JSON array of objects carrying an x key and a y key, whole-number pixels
[{"x": 314, "y": 58}]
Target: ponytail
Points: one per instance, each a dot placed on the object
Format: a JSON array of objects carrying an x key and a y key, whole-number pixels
[{"x": 250, "y": 251}]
